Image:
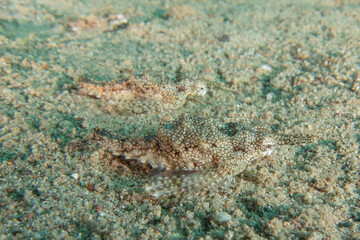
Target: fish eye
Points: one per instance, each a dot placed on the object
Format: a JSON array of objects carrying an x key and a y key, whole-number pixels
[{"x": 202, "y": 90}]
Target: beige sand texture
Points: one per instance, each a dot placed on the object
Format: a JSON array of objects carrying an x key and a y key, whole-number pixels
[{"x": 292, "y": 65}]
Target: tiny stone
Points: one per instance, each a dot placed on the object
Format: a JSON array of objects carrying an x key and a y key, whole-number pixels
[
  {"x": 75, "y": 176},
  {"x": 222, "y": 217},
  {"x": 190, "y": 215},
  {"x": 224, "y": 38},
  {"x": 63, "y": 234},
  {"x": 157, "y": 213},
  {"x": 266, "y": 67},
  {"x": 247, "y": 100},
  {"x": 269, "y": 96}
]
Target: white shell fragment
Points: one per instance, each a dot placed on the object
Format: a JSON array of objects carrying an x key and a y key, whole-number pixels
[{"x": 222, "y": 217}]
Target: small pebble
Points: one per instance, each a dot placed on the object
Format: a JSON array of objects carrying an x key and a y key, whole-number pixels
[
  {"x": 224, "y": 38},
  {"x": 266, "y": 67},
  {"x": 247, "y": 100},
  {"x": 269, "y": 96},
  {"x": 157, "y": 213},
  {"x": 222, "y": 217},
  {"x": 75, "y": 176}
]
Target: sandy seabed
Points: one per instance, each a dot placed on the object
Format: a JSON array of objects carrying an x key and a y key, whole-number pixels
[{"x": 293, "y": 65}]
